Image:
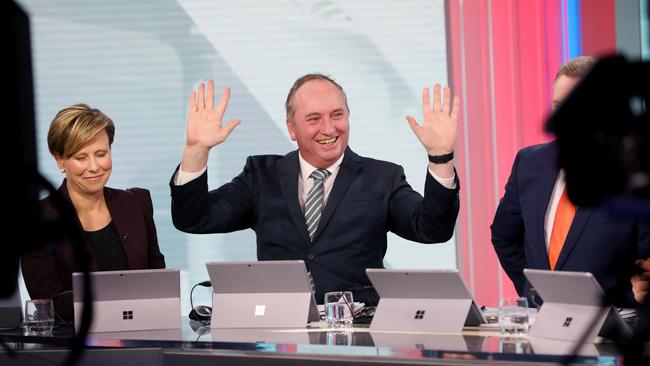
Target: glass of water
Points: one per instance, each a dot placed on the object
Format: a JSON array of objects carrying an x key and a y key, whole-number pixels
[
  {"x": 513, "y": 315},
  {"x": 338, "y": 309},
  {"x": 39, "y": 317}
]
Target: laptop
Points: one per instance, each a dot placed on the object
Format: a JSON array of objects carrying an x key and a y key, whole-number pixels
[
  {"x": 11, "y": 314},
  {"x": 423, "y": 300},
  {"x": 264, "y": 294},
  {"x": 131, "y": 300},
  {"x": 573, "y": 306}
]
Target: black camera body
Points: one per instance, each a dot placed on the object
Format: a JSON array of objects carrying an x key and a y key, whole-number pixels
[{"x": 603, "y": 134}]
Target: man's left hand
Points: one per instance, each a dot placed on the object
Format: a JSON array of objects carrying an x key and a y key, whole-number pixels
[{"x": 438, "y": 132}]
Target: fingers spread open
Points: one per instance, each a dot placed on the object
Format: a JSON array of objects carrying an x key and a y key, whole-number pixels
[
  {"x": 454, "y": 109},
  {"x": 210, "y": 99},
  {"x": 192, "y": 102},
  {"x": 414, "y": 125},
  {"x": 436, "y": 98},
  {"x": 426, "y": 102},
  {"x": 230, "y": 126},
  {"x": 223, "y": 103},
  {"x": 446, "y": 101},
  {"x": 201, "y": 96}
]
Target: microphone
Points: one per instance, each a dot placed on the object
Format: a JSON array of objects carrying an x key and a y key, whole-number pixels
[{"x": 200, "y": 312}]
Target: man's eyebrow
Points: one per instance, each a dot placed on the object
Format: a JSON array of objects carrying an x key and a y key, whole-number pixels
[{"x": 312, "y": 114}]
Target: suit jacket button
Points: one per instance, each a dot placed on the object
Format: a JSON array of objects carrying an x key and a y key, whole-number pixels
[{"x": 310, "y": 257}]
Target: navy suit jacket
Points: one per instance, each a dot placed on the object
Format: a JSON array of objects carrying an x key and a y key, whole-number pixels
[
  {"x": 369, "y": 198},
  {"x": 48, "y": 272},
  {"x": 597, "y": 242}
]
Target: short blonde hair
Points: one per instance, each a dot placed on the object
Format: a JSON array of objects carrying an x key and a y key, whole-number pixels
[
  {"x": 577, "y": 67},
  {"x": 74, "y": 126}
]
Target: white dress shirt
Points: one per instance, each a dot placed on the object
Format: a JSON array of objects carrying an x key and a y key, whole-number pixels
[
  {"x": 558, "y": 189},
  {"x": 304, "y": 182}
]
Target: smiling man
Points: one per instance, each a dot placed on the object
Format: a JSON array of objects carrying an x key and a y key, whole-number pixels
[{"x": 322, "y": 203}]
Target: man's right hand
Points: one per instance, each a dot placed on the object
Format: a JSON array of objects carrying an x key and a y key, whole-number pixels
[
  {"x": 204, "y": 129},
  {"x": 641, "y": 280}
]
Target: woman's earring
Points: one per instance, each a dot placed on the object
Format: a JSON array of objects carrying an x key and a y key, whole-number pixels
[{"x": 63, "y": 171}]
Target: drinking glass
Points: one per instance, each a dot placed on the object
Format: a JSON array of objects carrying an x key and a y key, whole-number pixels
[
  {"x": 513, "y": 315},
  {"x": 338, "y": 309},
  {"x": 39, "y": 316}
]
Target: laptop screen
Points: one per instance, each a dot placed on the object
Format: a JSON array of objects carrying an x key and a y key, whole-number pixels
[
  {"x": 259, "y": 277},
  {"x": 419, "y": 284},
  {"x": 130, "y": 284},
  {"x": 580, "y": 288},
  {"x": 131, "y": 300},
  {"x": 422, "y": 300},
  {"x": 261, "y": 294}
]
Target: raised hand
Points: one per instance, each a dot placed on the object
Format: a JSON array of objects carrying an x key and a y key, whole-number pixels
[
  {"x": 438, "y": 132},
  {"x": 204, "y": 126}
]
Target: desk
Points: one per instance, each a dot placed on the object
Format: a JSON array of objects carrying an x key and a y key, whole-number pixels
[{"x": 199, "y": 345}]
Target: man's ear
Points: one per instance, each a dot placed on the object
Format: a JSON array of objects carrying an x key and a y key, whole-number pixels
[{"x": 291, "y": 128}]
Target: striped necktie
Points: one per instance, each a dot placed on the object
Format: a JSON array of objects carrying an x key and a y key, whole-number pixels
[{"x": 314, "y": 201}]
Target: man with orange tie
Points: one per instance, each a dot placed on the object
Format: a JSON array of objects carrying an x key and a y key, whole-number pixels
[{"x": 537, "y": 226}]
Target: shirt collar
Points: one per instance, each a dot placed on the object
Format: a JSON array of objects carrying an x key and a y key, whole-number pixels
[{"x": 306, "y": 169}]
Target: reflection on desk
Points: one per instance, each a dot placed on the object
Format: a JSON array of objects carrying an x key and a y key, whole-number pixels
[
  {"x": 543, "y": 346},
  {"x": 422, "y": 341},
  {"x": 262, "y": 335},
  {"x": 349, "y": 346},
  {"x": 153, "y": 335}
]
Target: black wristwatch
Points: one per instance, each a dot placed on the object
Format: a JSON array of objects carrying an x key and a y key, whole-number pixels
[{"x": 441, "y": 159}]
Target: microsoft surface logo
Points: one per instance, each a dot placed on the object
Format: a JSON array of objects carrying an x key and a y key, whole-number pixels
[
  {"x": 127, "y": 315},
  {"x": 419, "y": 314}
]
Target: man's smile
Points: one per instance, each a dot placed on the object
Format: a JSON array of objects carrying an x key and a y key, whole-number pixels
[{"x": 328, "y": 141}]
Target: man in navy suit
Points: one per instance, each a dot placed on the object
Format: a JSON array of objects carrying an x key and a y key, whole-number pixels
[
  {"x": 532, "y": 230},
  {"x": 322, "y": 203}
]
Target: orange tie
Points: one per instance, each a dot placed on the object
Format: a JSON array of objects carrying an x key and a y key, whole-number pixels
[{"x": 561, "y": 224}]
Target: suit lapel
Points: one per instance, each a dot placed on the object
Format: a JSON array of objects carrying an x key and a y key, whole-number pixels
[
  {"x": 93, "y": 266},
  {"x": 349, "y": 167},
  {"x": 288, "y": 168},
  {"x": 577, "y": 226},
  {"x": 549, "y": 171},
  {"x": 124, "y": 213}
]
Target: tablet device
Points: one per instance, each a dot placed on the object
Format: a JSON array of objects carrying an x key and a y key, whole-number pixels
[
  {"x": 131, "y": 300},
  {"x": 261, "y": 294},
  {"x": 423, "y": 300},
  {"x": 573, "y": 306}
]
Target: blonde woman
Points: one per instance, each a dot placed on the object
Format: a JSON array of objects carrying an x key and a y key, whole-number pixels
[{"x": 117, "y": 225}]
